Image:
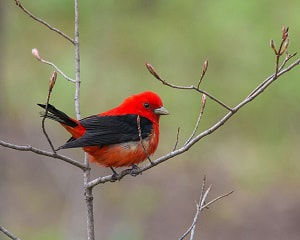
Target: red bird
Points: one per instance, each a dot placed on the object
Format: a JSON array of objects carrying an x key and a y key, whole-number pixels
[{"x": 113, "y": 138}]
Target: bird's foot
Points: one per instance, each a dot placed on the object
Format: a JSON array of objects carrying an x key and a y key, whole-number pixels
[
  {"x": 134, "y": 171},
  {"x": 114, "y": 176}
]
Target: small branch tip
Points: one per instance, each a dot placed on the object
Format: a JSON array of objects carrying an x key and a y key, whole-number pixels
[{"x": 36, "y": 54}]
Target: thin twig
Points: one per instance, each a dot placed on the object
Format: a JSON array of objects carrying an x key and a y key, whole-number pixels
[
  {"x": 216, "y": 199},
  {"x": 177, "y": 139},
  {"x": 192, "y": 87},
  {"x": 51, "y": 85},
  {"x": 36, "y": 54},
  {"x": 77, "y": 62},
  {"x": 204, "y": 70},
  {"x": 8, "y": 234},
  {"x": 42, "y": 152},
  {"x": 200, "y": 206},
  {"x": 198, "y": 120},
  {"x": 278, "y": 53},
  {"x": 138, "y": 121},
  {"x": 193, "y": 225},
  {"x": 88, "y": 191},
  {"x": 58, "y": 70},
  {"x": 18, "y": 3}
]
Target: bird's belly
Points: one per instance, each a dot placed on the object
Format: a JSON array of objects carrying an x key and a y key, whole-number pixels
[{"x": 122, "y": 154}]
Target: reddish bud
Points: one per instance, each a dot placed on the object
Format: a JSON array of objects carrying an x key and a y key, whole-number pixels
[
  {"x": 272, "y": 45},
  {"x": 205, "y": 66},
  {"x": 36, "y": 54},
  {"x": 285, "y": 46},
  {"x": 52, "y": 80},
  {"x": 285, "y": 33},
  {"x": 203, "y": 100},
  {"x": 152, "y": 71}
]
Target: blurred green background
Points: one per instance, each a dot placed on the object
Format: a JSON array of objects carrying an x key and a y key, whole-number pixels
[{"x": 255, "y": 154}]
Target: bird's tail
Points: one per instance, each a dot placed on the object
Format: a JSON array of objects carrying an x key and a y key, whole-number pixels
[{"x": 57, "y": 115}]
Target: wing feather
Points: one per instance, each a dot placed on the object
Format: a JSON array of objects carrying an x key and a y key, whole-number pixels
[{"x": 106, "y": 130}]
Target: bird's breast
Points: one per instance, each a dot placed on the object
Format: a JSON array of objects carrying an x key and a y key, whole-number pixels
[{"x": 123, "y": 154}]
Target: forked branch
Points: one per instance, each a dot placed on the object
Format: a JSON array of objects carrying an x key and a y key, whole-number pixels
[{"x": 200, "y": 206}]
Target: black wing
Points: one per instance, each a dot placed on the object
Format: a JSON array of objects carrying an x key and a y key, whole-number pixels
[{"x": 105, "y": 130}]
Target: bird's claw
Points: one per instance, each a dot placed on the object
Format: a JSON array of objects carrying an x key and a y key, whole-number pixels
[
  {"x": 134, "y": 171},
  {"x": 114, "y": 176}
]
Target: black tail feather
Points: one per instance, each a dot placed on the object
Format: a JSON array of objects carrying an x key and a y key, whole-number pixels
[{"x": 57, "y": 115}]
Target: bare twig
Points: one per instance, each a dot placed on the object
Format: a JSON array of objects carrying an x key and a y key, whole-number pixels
[
  {"x": 278, "y": 53},
  {"x": 177, "y": 139},
  {"x": 204, "y": 70},
  {"x": 51, "y": 85},
  {"x": 8, "y": 234},
  {"x": 192, "y": 87},
  {"x": 18, "y": 3},
  {"x": 138, "y": 121},
  {"x": 198, "y": 120},
  {"x": 88, "y": 191},
  {"x": 29, "y": 148},
  {"x": 36, "y": 54},
  {"x": 77, "y": 63},
  {"x": 200, "y": 206}
]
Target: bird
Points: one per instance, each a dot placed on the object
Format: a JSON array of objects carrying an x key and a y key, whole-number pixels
[{"x": 121, "y": 137}]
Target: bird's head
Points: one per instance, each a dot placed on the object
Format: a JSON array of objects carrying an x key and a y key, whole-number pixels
[{"x": 145, "y": 104}]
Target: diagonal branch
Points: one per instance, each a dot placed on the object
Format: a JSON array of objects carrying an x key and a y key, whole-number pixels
[
  {"x": 18, "y": 3},
  {"x": 29, "y": 148},
  {"x": 8, "y": 234},
  {"x": 198, "y": 120},
  {"x": 36, "y": 54}
]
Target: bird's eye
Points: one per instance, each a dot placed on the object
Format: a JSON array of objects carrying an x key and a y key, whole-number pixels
[{"x": 147, "y": 105}]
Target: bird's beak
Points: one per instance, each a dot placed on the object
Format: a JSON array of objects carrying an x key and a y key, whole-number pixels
[{"x": 161, "y": 111}]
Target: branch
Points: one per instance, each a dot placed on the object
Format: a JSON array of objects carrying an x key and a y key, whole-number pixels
[
  {"x": 51, "y": 85},
  {"x": 18, "y": 3},
  {"x": 192, "y": 87},
  {"x": 200, "y": 206},
  {"x": 8, "y": 234},
  {"x": 198, "y": 120},
  {"x": 29, "y": 148},
  {"x": 77, "y": 62},
  {"x": 88, "y": 192},
  {"x": 36, "y": 54}
]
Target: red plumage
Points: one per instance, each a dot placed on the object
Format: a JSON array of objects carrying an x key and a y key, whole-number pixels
[{"x": 113, "y": 138}]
